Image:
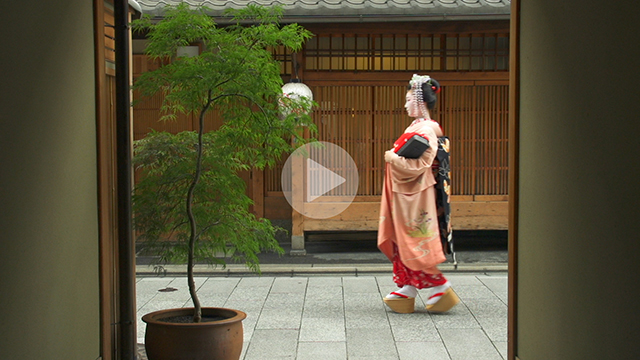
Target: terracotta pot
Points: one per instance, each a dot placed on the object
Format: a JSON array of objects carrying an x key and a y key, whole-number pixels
[{"x": 211, "y": 340}]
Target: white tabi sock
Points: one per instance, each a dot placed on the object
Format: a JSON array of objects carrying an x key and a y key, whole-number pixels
[
  {"x": 436, "y": 292},
  {"x": 408, "y": 291}
]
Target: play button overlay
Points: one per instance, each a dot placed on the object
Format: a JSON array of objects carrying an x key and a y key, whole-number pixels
[
  {"x": 324, "y": 181},
  {"x": 320, "y": 180}
]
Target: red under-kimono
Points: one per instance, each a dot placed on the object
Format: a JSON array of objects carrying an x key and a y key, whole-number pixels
[{"x": 409, "y": 232}]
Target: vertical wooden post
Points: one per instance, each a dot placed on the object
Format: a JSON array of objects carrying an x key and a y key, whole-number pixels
[
  {"x": 298, "y": 184},
  {"x": 297, "y": 198},
  {"x": 106, "y": 198},
  {"x": 514, "y": 135},
  {"x": 126, "y": 255}
]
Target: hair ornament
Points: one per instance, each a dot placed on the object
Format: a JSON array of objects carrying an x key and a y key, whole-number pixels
[
  {"x": 418, "y": 80},
  {"x": 416, "y": 87}
]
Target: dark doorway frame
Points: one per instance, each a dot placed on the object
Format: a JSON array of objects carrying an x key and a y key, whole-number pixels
[
  {"x": 126, "y": 337},
  {"x": 514, "y": 135}
]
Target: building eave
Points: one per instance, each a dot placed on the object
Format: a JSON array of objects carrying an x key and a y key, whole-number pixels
[{"x": 306, "y": 11}]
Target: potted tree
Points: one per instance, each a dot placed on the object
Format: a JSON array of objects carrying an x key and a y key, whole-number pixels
[{"x": 189, "y": 188}]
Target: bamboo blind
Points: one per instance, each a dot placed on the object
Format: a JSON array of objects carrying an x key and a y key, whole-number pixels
[{"x": 366, "y": 120}]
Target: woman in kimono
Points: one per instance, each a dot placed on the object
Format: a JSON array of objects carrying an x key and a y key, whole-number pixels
[{"x": 414, "y": 231}]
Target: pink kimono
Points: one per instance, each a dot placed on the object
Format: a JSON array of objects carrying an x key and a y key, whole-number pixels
[{"x": 409, "y": 230}]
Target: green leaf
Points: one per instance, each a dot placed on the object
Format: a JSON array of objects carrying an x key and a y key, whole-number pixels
[{"x": 190, "y": 202}]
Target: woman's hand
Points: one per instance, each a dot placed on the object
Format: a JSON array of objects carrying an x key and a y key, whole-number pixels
[{"x": 390, "y": 155}]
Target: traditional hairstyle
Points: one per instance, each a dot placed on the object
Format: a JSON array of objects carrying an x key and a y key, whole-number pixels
[{"x": 424, "y": 89}]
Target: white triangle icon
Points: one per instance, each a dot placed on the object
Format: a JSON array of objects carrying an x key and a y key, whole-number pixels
[{"x": 320, "y": 180}]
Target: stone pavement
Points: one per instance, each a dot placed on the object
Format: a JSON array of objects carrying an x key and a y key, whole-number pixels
[{"x": 339, "y": 314}]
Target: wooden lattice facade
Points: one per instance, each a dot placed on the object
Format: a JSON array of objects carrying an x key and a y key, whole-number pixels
[{"x": 358, "y": 74}]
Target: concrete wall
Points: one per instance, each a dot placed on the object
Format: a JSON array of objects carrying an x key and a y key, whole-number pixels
[
  {"x": 48, "y": 208},
  {"x": 579, "y": 180}
]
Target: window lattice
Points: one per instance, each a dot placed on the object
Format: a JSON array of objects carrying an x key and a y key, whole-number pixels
[
  {"x": 408, "y": 52},
  {"x": 283, "y": 56}
]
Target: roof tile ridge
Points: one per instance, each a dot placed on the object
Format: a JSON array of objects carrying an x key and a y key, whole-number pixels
[
  {"x": 497, "y": 3},
  {"x": 472, "y": 3},
  {"x": 307, "y": 2},
  {"x": 430, "y": 3},
  {"x": 407, "y": 4}
]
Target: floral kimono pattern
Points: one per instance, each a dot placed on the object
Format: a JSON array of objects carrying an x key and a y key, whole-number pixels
[{"x": 409, "y": 230}]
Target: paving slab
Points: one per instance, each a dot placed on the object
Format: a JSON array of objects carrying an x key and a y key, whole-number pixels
[
  {"x": 323, "y": 329},
  {"x": 272, "y": 344},
  {"x": 432, "y": 350},
  {"x": 341, "y": 316},
  {"x": 378, "y": 342},
  {"x": 322, "y": 350},
  {"x": 315, "y": 307},
  {"x": 465, "y": 344}
]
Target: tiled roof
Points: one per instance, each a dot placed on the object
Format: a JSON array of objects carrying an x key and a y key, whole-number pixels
[{"x": 352, "y": 10}]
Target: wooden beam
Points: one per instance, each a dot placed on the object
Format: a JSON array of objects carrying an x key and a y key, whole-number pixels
[
  {"x": 361, "y": 216},
  {"x": 514, "y": 154},
  {"x": 332, "y": 225},
  {"x": 317, "y": 78},
  {"x": 108, "y": 313},
  {"x": 409, "y": 27}
]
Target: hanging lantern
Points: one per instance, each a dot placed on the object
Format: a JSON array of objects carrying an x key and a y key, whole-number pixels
[{"x": 294, "y": 90}]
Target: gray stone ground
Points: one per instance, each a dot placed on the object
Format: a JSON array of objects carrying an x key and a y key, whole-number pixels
[
  {"x": 328, "y": 304},
  {"x": 343, "y": 316}
]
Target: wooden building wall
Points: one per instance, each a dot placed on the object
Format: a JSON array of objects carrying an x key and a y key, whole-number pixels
[{"x": 358, "y": 74}]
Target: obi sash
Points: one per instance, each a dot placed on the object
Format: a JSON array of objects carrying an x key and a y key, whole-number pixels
[{"x": 442, "y": 173}]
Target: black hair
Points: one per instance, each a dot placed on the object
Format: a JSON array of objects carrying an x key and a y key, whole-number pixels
[{"x": 429, "y": 90}]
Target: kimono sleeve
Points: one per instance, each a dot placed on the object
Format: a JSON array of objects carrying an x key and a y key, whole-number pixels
[{"x": 410, "y": 169}]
